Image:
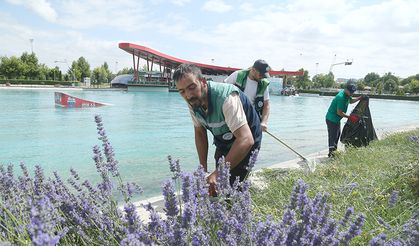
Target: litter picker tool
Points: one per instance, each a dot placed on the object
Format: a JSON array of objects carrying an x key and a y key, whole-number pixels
[{"x": 286, "y": 145}]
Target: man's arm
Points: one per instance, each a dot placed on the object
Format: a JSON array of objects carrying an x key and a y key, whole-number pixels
[
  {"x": 356, "y": 99},
  {"x": 341, "y": 113},
  {"x": 265, "y": 115},
  {"x": 201, "y": 143}
]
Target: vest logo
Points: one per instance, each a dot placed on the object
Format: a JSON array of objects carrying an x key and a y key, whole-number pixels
[
  {"x": 228, "y": 136},
  {"x": 260, "y": 104}
]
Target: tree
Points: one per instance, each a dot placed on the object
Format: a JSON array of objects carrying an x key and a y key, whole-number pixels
[
  {"x": 109, "y": 75},
  {"x": 409, "y": 79},
  {"x": 99, "y": 75},
  {"x": 43, "y": 72},
  {"x": 80, "y": 68},
  {"x": 302, "y": 81},
  {"x": 324, "y": 81},
  {"x": 30, "y": 65},
  {"x": 413, "y": 86},
  {"x": 84, "y": 67},
  {"x": 55, "y": 73},
  {"x": 360, "y": 84},
  {"x": 370, "y": 78},
  {"x": 12, "y": 68},
  {"x": 390, "y": 85},
  {"x": 74, "y": 72},
  {"x": 126, "y": 70}
]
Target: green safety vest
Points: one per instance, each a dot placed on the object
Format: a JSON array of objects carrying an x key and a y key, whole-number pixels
[
  {"x": 214, "y": 119},
  {"x": 260, "y": 91}
]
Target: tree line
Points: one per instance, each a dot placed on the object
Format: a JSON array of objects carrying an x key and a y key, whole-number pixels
[
  {"x": 388, "y": 83},
  {"x": 27, "y": 67}
]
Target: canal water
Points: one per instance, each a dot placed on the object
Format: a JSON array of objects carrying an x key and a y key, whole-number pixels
[{"x": 144, "y": 128}]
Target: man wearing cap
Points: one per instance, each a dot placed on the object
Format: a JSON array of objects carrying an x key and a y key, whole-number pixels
[
  {"x": 336, "y": 112},
  {"x": 227, "y": 113},
  {"x": 255, "y": 86}
]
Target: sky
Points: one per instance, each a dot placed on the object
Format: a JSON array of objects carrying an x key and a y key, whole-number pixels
[{"x": 377, "y": 36}]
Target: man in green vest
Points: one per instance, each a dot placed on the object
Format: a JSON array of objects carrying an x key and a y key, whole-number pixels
[
  {"x": 255, "y": 85},
  {"x": 337, "y": 111},
  {"x": 227, "y": 113}
]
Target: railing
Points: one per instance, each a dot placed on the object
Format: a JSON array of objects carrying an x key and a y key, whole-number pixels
[
  {"x": 38, "y": 82},
  {"x": 149, "y": 82}
]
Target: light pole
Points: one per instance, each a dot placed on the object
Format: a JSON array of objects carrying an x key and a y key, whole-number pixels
[
  {"x": 71, "y": 70},
  {"x": 317, "y": 68},
  {"x": 346, "y": 63},
  {"x": 31, "y": 40}
]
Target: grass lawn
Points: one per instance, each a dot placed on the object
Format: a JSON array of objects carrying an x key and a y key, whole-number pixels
[{"x": 362, "y": 178}]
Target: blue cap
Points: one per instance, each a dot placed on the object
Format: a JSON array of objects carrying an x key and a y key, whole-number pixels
[{"x": 351, "y": 87}]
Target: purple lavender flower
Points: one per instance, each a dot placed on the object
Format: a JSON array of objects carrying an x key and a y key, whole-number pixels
[
  {"x": 393, "y": 199},
  {"x": 38, "y": 180},
  {"x": 44, "y": 217},
  {"x": 378, "y": 240},
  {"x": 170, "y": 201},
  {"x": 383, "y": 223},
  {"x": 111, "y": 162},
  {"x": 174, "y": 167},
  {"x": 132, "y": 219},
  {"x": 414, "y": 139},
  {"x": 347, "y": 216},
  {"x": 133, "y": 188},
  {"x": 253, "y": 159},
  {"x": 354, "y": 230},
  {"x": 223, "y": 178}
]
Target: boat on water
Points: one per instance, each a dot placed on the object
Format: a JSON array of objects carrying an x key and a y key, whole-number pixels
[
  {"x": 68, "y": 101},
  {"x": 289, "y": 90}
]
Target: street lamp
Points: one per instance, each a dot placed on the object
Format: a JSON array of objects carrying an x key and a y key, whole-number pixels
[
  {"x": 71, "y": 70},
  {"x": 346, "y": 63},
  {"x": 31, "y": 40},
  {"x": 317, "y": 68}
]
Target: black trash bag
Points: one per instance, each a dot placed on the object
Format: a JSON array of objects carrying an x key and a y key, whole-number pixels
[{"x": 361, "y": 133}]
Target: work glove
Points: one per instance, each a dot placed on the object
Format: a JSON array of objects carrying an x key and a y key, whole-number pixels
[{"x": 353, "y": 118}]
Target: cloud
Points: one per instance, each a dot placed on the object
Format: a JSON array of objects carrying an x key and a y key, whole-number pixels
[
  {"x": 381, "y": 37},
  {"x": 127, "y": 15},
  {"x": 40, "y": 7},
  {"x": 217, "y": 6},
  {"x": 180, "y": 2}
]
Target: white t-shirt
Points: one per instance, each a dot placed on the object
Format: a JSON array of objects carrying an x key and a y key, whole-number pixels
[
  {"x": 234, "y": 115},
  {"x": 250, "y": 89}
]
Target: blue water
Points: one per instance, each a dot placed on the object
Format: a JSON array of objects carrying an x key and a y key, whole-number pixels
[{"x": 146, "y": 127}]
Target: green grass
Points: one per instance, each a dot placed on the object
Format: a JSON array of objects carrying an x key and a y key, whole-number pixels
[{"x": 384, "y": 166}]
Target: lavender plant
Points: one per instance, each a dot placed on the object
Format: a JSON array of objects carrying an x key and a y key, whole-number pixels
[{"x": 50, "y": 211}]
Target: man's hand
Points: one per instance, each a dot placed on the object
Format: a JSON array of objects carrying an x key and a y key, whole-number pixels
[
  {"x": 353, "y": 118},
  {"x": 212, "y": 181},
  {"x": 264, "y": 126}
]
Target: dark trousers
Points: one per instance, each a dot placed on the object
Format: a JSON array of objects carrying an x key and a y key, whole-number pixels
[
  {"x": 333, "y": 130},
  {"x": 241, "y": 169}
]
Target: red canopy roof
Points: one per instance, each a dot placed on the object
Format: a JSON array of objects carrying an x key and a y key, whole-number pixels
[{"x": 172, "y": 62}]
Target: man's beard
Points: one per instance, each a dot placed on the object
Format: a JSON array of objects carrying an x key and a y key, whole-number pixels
[{"x": 195, "y": 103}]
